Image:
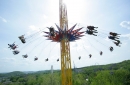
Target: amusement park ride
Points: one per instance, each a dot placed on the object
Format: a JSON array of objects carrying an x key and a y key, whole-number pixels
[{"x": 65, "y": 35}]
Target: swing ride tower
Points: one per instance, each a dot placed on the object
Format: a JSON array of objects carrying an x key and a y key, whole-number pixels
[
  {"x": 64, "y": 36},
  {"x": 66, "y": 72}
]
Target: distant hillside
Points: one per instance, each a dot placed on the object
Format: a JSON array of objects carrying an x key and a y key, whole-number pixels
[
  {"x": 28, "y": 72},
  {"x": 114, "y": 66},
  {"x": 110, "y": 74},
  {"x": 15, "y": 73}
]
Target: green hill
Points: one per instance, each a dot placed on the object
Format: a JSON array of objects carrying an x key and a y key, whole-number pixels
[
  {"x": 110, "y": 74},
  {"x": 15, "y": 73}
]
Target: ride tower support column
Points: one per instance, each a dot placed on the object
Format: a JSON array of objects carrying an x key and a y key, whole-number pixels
[{"x": 66, "y": 71}]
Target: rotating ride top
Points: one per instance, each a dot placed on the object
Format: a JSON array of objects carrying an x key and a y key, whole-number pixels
[{"x": 64, "y": 36}]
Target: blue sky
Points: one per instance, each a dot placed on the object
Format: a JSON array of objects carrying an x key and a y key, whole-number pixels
[{"x": 19, "y": 17}]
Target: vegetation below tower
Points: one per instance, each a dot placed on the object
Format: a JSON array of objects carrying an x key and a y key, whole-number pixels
[{"x": 111, "y": 74}]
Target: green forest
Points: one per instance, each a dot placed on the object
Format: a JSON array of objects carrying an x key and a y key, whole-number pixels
[{"x": 111, "y": 74}]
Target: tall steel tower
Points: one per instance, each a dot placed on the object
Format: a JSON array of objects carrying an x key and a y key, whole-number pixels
[
  {"x": 66, "y": 71},
  {"x": 64, "y": 36}
]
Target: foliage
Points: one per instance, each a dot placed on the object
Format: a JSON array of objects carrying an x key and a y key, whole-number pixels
[{"x": 112, "y": 74}]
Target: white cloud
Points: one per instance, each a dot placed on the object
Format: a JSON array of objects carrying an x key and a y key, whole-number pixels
[
  {"x": 126, "y": 36},
  {"x": 34, "y": 28},
  {"x": 107, "y": 39},
  {"x": 5, "y": 49},
  {"x": 28, "y": 33},
  {"x": 125, "y": 24},
  {"x": 79, "y": 46},
  {"x": 4, "y": 20},
  {"x": 8, "y": 59},
  {"x": 74, "y": 44},
  {"x": 44, "y": 16}
]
